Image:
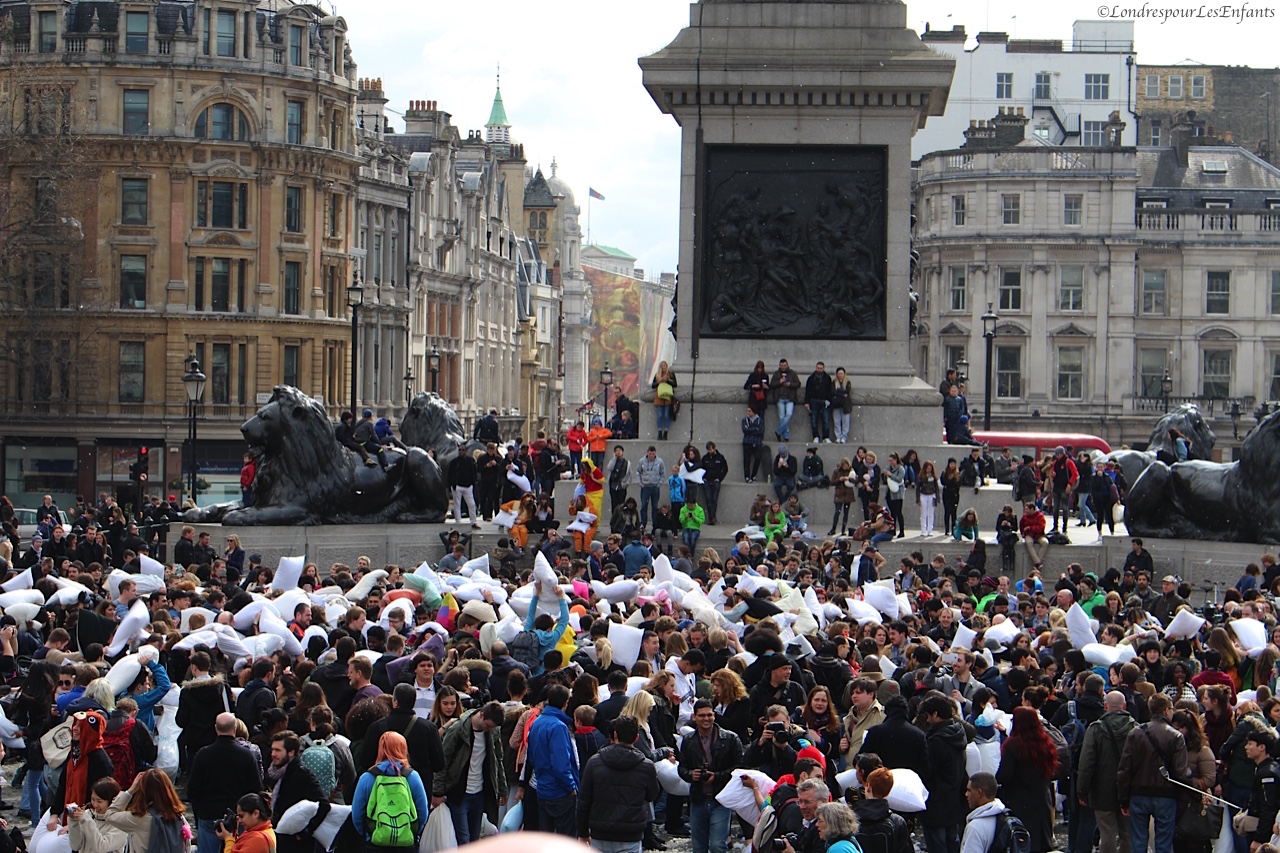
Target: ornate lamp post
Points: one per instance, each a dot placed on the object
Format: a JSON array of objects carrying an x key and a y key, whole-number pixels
[
  {"x": 193, "y": 381},
  {"x": 1166, "y": 388},
  {"x": 989, "y": 321},
  {"x": 433, "y": 364},
  {"x": 355, "y": 298},
  {"x": 1235, "y": 419},
  {"x": 408, "y": 384},
  {"x": 962, "y": 371},
  {"x": 606, "y": 379}
]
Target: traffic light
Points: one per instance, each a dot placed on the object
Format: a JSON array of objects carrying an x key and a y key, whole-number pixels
[{"x": 139, "y": 469}]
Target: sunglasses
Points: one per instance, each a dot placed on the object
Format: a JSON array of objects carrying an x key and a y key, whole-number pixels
[{"x": 64, "y": 683}]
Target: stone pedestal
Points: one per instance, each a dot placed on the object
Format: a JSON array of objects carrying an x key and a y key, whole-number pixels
[{"x": 795, "y": 212}]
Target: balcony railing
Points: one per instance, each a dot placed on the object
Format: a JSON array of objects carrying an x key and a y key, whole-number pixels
[
  {"x": 1227, "y": 222},
  {"x": 1210, "y": 407}
]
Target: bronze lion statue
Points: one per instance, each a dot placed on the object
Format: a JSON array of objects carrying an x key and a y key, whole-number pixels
[
  {"x": 1189, "y": 423},
  {"x": 1236, "y": 502},
  {"x": 306, "y": 477},
  {"x": 432, "y": 424}
]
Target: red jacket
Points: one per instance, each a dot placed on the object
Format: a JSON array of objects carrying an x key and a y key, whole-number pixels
[
  {"x": 247, "y": 473},
  {"x": 1031, "y": 525},
  {"x": 577, "y": 439}
]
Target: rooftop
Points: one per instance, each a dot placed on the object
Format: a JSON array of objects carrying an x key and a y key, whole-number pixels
[{"x": 610, "y": 251}]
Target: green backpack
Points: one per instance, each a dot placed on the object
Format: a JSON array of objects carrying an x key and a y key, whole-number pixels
[{"x": 391, "y": 812}]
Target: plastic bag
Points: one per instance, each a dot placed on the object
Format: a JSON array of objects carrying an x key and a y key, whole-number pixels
[
  {"x": 513, "y": 821},
  {"x": 669, "y": 778},
  {"x": 438, "y": 834}
]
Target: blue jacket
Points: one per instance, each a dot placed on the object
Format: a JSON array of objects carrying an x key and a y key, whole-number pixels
[
  {"x": 147, "y": 701},
  {"x": 551, "y": 753},
  {"x": 636, "y": 556},
  {"x": 547, "y": 640},
  {"x": 675, "y": 487},
  {"x": 360, "y": 800}
]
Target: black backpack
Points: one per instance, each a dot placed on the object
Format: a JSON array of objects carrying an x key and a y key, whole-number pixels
[
  {"x": 1011, "y": 835},
  {"x": 524, "y": 649}
]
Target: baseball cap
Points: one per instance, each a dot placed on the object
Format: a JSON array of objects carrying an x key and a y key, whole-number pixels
[{"x": 1168, "y": 579}]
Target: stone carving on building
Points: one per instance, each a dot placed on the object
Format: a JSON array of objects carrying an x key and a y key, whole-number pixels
[
  {"x": 1236, "y": 502},
  {"x": 793, "y": 242},
  {"x": 305, "y": 477}
]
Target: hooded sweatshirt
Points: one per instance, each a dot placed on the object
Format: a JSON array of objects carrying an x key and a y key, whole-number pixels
[
  {"x": 980, "y": 827},
  {"x": 615, "y": 784},
  {"x": 86, "y": 763}
]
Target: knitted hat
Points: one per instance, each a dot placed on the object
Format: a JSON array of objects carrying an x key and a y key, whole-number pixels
[{"x": 815, "y": 754}]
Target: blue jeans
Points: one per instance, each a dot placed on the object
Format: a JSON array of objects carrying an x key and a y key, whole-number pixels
[
  {"x": 885, "y": 536},
  {"x": 942, "y": 839},
  {"x": 468, "y": 817},
  {"x": 1085, "y": 826},
  {"x": 783, "y": 487},
  {"x": 616, "y": 846},
  {"x": 575, "y": 461},
  {"x": 207, "y": 835},
  {"x": 648, "y": 495},
  {"x": 1234, "y": 794},
  {"x": 1086, "y": 512},
  {"x": 786, "y": 408},
  {"x": 664, "y": 417},
  {"x": 818, "y": 420},
  {"x": 690, "y": 537},
  {"x": 842, "y": 421},
  {"x": 709, "y": 827},
  {"x": 1165, "y": 812},
  {"x": 34, "y": 793},
  {"x": 559, "y": 816},
  {"x": 711, "y": 498}
]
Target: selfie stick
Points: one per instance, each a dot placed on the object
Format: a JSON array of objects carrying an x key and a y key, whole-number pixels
[{"x": 1204, "y": 794}]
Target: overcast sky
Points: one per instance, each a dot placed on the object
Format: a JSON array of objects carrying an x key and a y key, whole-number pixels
[{"x": 572, "y": 87}]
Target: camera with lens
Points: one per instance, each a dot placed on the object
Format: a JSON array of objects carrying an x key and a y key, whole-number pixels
[
  {"x": 230, "y": 821},
  {"x": 780, "y": 732},
  {"x": 790, "y": 838}
]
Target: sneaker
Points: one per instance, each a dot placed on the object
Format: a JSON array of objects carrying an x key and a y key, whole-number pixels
[
  {"x": 678, "y": 831},
  {"x": 370, "y": 463},
  {"x": 475, "y": 525},
  {"x": 826, "y": 441}
]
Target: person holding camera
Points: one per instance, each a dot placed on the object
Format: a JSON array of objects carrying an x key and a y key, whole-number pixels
[
  {"x": 773, "y": 753},
  {"x": 221, "y": 773},
  {"x": 708, "y": 756},
  {"x": 88, "y": 829},
  {"x": 253, "y": 816}
]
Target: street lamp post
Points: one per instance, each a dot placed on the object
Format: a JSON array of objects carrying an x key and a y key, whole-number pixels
[
  {"x": 355, "y": 298},
  {"x": 962, "y": 371},
  {"x": 193, "y": 381},
  {"x": 1166, "y": 388},
  {"x": 408, "y": 384},
  {"x": 433, "y": 364},
  {"x": 606, "y": 379},
  {"x": 1235, "y": 419},
  {"x": 989, "y": 320}
]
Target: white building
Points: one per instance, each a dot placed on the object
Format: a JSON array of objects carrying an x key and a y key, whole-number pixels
[
  {"x": 1108, "y": 269},
  {"x": 1068, "y": 90}
]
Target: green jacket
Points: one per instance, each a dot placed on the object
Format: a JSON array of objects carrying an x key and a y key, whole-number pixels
[
  {"x": 692, "y": 517},
  {"x": 451, "y": 780},
  {"x": 1100, "y": 760},
  {"x": 1098, "y": 599}
]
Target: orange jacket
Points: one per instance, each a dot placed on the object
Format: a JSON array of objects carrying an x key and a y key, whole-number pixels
[{"x": 598, "y": 439}]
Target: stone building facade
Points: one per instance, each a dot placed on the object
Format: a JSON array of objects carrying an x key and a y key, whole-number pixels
[
  {"x": 182, "y": 180},
  {"x": 1233, "y": 102},
  {"x": 1107, "y": 269}
]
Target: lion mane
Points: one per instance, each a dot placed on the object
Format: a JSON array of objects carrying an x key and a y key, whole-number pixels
[{"x": 299, "y": 460}]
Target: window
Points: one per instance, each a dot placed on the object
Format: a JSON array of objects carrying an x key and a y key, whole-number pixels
[
  {"x": 1004, "y": 85},
  {"x": 1155, "y": 132},
  {"x": 1154, "y": 295},
  {"x": 291, "y": 366},
  {"x": 1175, "y": 85},
  {"x": 1072, "y": 209},
  {"x": 220, "y": 284},
  {"x": 1008, "y": 372},
  {"x": 297, "y": 35},
  {"x": 48, "y": 32},
  {"x": 206, "y": 31},
  {"x": 1275, "y": 298},
  {"x": 955, "y": 355},
  {"x": 133, "y": 201},
  {"x": 47, "y": 111},
  {"x": 292, "y": 288},
  {"x": 133, "y": 371},
  {"x": 222, "y": 204},
  {"x": 1071, "y": 289},
  {"x": 293, "y": 209},
  {"x": 959, "y": 289},
  {"x": 1044, "y": 89},
  {"x": 294, "y": 136},
  {"x": 333, "y": 216},
  {"x": 135, "y": 37},
  {"x": 222, "y": 121},
  {"x": 1151, "y": 363},
  {"x": 1011, "y": 288},
  {"x": 1153, "y": 86},
  {"x": 1095, "y": 134},
  {"x": 1216, "y": 378},
  {"x": 1197, "y": 85},
  {"x": 375, "y": 257},
  {"x": 1274, "y": 392},
  {"x": 1217, "y": 298},
  {"x": 226, "y": 34},
  {"x": 197, "y": 290},
  {"x": 1097, "y": 87},
  {"x": 220, "y": 373},
  {"x": 133, "y": 281},
  {"x": 1070, "y": 373},
  {"x": 1011, "y": 209},
  {"x": 137, "y": 113},
  {"x": 957, "y": 210}
]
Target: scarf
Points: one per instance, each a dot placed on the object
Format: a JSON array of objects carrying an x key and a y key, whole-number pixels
[
  {"x": 90, "y": 728},
  {"x": 275, "y": 774}
]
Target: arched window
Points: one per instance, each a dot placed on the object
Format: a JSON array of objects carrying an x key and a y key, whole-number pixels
[
  {"x": 533, "y": 220},
  {"x": 542, "y": 220},
  {"x": 222, "y": 121}
]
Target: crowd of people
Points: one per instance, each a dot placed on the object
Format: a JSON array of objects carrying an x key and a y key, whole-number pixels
[{"x": 616, "y": 696}]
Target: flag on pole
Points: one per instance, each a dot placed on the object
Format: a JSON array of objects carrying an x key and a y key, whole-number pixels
[{"x": 594, "y": 194}]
